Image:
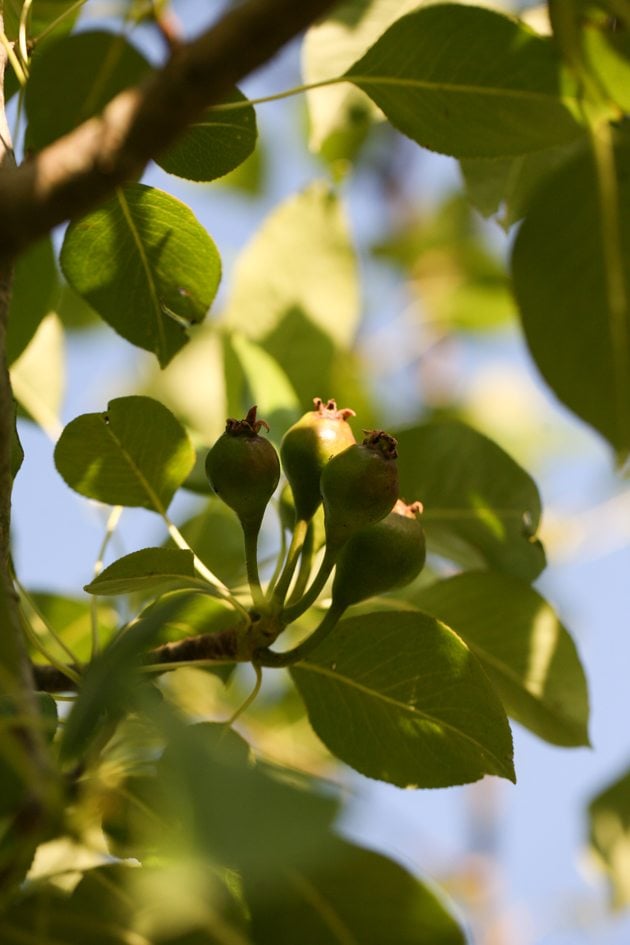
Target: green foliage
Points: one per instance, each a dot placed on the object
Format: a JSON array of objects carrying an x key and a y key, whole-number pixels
[
  {"x": 523, "y": 647},
  {"x": 468, "y": 82},
  {"x": 439, "y": 725},
  {"x": 135, "y": 453},
  {"x": 609, "y": 818},
  {"x": 414, "y": 688},
  {"x": 215, "y": 145},
  {"x": 146, "y": 265},
  {"x": 151, "y": 569},
  {"x": 485, "y": 512},
  {"x": 574, "y": 306}
]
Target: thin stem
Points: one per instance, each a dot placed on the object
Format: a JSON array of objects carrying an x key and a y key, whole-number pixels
[
  {"x": 37, "y": 614},
  {"x": 55, "y": 23},
  {"x": 296, "y": 610},
  {"x": 306, "y": 565},
  {"x": 295, "y": 549},
  {"x": 36, "y": 642},
  {"x": 251, "y": 561},
  {"x": 202, "y": 570},
  {"x": 110, "y": 528},
  {"x": 280, "y": 556},
  {"x": 13, "y": 59},
  {"x": 248, "y": 701},
  {"x": 287, "y": 93},
  {"x": 299, "y": 652},
  {"x": 22, "y": 41}
]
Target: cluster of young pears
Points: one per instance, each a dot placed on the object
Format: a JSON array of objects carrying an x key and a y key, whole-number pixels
[{"x": 373, "y": 539}]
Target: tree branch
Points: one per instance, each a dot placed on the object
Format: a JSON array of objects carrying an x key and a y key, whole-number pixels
[
  {"x": 73, "y": 174},
  {"x": 23, "y": 744}
]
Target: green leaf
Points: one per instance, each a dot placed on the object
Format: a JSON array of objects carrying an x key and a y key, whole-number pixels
[
  {"x": 572, "y": 286},
  {"x": 340, "y": 115},
  {"x": 505, "y": 186},
  {"x": 147, "y": 266},
  {"x": 150, "y": 569},
  {"x": 266, "y": 383},
  {"x": 311, "y": 231},
  {"x": 468, "y": 82},
  {"x": 608, "y": 56},
  {"x": 34, "y": 290},
  {"x": 134, "y": 454},
  {"x": 42, "y": 14},
  {"x": 480, "y": 507},
  {"x": 224, "y": 807},
  {"x": 72, "y": 621},
  {"x": 217, "y": 537},
  {"x": 399, "y": 697},
  {"x": 314, "y": 365},
  {"x": 112, "y": 684},
  {"x": 215, "y": 144},
  {"x": 348, "y": 895},
  {"x": 609, "y": 816},
  {"x": 38, "y": 376},
  {"x": 86, "y": 70},
  {"x": 525, "y": 650}
]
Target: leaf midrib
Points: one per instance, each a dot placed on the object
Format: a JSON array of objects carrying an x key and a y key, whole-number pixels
[
  {"x": 144, "y": 482},
  {"x": 465, "y": 88},
  {"x": 148, "y": 271},
  {"x": 324, "y": 909},
  {"x": 411, "y": 710}
]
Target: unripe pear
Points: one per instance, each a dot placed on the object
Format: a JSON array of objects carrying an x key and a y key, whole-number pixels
[
  {"x": 359, "y": 486},
  {"x": 307, "y": 447},
  {"x": 385, "y": 555},
  {"x": 243, "y": 469}
]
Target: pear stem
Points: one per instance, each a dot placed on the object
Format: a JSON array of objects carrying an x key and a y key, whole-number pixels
[{"x": 299, "y": 652}]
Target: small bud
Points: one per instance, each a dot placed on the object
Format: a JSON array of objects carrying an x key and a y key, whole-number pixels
[
  {"x": 243, "y": 469},
  {"x": 308, "y": 446},
  {"x": 388, "y": 554},
  {"x": 359, "y": 486}
]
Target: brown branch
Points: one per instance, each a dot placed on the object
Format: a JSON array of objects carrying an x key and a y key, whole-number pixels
[
  {"x": 73, "y": 174},
  {"x": 227, "y": 646}
]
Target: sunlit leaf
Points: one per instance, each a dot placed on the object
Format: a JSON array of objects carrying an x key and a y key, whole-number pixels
[
  {"x": 480, "y": 507},
  {"x": 43, "y": 14},
  {"x": 301, "y": 257},
  {"x": 609, "y": 815},
  {"x": 215, "y": 144},
  {"x": 150, "y": 569},
  {"x": 505, "y": 186},
  {"x": 469, "y": 82},
  {"x": 573, "y": 288},
  {"x": 399, "y": 697},
  {"x": 266, "y": 385},
  {"x": 340, "y": 115},
  {"x": 224, "y": 807},
  {"x": 34, "y": 291},
  {"x": 525, "y": 650},
  {"x": 147, "y": 266},
  {"x": 71, "y": 618},
  {"x": 135, "y": 453},
  {"x": 217, "y": 538},
  {"x": 112, "y": 683},
  {"x": 38, "y": 376},
  {"x": 608, "y": 55},
  {"x": 347, "y": 895}
]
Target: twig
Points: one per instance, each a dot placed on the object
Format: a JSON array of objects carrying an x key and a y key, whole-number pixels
[{"x": 78, "y": 171}]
